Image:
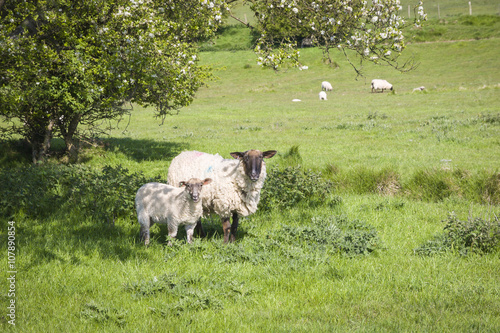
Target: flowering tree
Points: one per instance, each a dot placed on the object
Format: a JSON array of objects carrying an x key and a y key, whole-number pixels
[
  {"x": 373, "y": 30},
  {"x": 66, "y": 66}
]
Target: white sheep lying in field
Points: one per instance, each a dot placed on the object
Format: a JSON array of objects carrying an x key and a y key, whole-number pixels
[
  {"x": 174, "y": 206},
  {"x": 322, "y": 96},
  {"x": 382, "y": 85},
  {"x": 237, "y": 183},
  {"x": 326, "y": 86},
  {"x": 422, "y": 88}
]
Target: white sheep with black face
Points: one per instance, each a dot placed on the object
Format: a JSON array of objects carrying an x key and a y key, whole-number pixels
[
  {"x": 237, "y": 183},
  {"x": 322, "y": 96},
  {"x": 326, "y": 86},
  {"x": 381, "y": 85},
  {"x": 174, "y": 206}
]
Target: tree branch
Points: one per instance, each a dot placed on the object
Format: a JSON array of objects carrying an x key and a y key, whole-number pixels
[{"x": 239, "y": 20}]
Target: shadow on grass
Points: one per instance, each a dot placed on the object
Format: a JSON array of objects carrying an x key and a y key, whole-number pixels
[
  {"x": 71, "y": 243},
  {"x": 211, "y": 225},
  {"x": 146, "y": 150}
]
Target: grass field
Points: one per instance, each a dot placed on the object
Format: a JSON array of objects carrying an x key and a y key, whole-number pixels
[{"x": 78, "y": 268}]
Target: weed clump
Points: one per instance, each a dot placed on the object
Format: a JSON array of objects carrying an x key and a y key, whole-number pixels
[
  {"x": 474, "y": 235},
  {"x": 285, "y": 188},
  {"x": 102, "y": 314},
  {"x": 333, "y": 234}
]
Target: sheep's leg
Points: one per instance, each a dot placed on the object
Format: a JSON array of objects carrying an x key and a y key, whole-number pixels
[
  {"x": 226, "y": 227},
  {"x": 172, "y": 232},
  {"x": 199, "y": 229},
  {"x": 189, "y": 232},
  {"x": 234, "y": 227}
]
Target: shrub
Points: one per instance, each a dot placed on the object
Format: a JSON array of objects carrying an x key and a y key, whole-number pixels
[
  {"x": 285, "y": 188},
  {"x": 34, "y": 191},
  {"x": 476, "y": 235},
  {"x": 107, "y": 194},
  {"x": 40, "y": 191}
]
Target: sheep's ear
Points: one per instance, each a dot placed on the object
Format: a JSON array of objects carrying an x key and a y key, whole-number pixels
[
  {"x": 182, "y": 184},
  {"x": 269, "y": 153},
  {"x": 237, "y": 155},
  {"x": 207, "y": 181}
]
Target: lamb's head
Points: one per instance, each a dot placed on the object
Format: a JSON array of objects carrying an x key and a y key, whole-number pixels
[
  {"x": 193, "y": 187},
  {"x": 252, "y": 161}
]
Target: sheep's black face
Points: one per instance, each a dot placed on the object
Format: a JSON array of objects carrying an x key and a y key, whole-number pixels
[
  {"x": 252, "y": 161},
  {"x": 194, "y": 186}
]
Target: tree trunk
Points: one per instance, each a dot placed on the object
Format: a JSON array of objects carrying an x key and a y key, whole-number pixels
[
  {"x": 40, "y": 143},
  {"x": 69, "y": 138}
]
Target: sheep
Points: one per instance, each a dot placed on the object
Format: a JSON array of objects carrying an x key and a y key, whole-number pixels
[
  {"x": 322, "y": 96},
  {"x": 237, "y": 183},
  {"x": 381, "y": 85},
  {"x": 166, "y": 204},
  {"x": 326, "y": 86},
  {"x": 306, "y": 42},
  {"x": 422, "y": 88}
]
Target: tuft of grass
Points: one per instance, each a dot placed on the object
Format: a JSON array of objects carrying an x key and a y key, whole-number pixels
[
  {"x": 439, "y": 184},
  {"x": 367, "y": 180}
]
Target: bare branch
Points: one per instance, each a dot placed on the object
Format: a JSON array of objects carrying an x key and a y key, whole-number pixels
[{"x": 241, "y": 21}]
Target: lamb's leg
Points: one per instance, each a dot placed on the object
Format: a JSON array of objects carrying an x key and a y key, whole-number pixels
[
  {"x": 190, "y": 232},
  {"x": 145, "y": 235},
  {"x": 199, "y": 229},
  {"x": 145, "y": 222},
  {"x": 226, "y": 227},
  {"x": 234, "y": 227}
]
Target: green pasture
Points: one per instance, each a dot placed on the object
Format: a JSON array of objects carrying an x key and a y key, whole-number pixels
[{"x": 399, "y": 166}]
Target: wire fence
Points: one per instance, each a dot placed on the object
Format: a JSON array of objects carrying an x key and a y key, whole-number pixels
[{"x": 447, "y": 8}]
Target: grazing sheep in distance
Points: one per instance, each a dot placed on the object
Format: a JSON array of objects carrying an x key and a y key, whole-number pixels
[
  {"x": 174, "y": 206},
  {"x": 326, "y": 86},
  {"x": 237, "y": 183},
  {"x": 306, "y": 42},
  {"x": 382, "y": 85},
  {"x": 322, "y": 96},
  {"x": 422, "y": 88}
]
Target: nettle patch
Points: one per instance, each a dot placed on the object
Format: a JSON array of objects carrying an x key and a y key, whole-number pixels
[
  {"x": 289, "y": 186},
  {"x": 187, "y": 293},
  {"x": 474, "y": 235}
]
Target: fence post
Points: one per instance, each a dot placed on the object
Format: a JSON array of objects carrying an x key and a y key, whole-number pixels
[
  {"x": 439, "y": 13},
  {"x": 470, "y": 8},
  {"x": 408, "y": 11}
]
